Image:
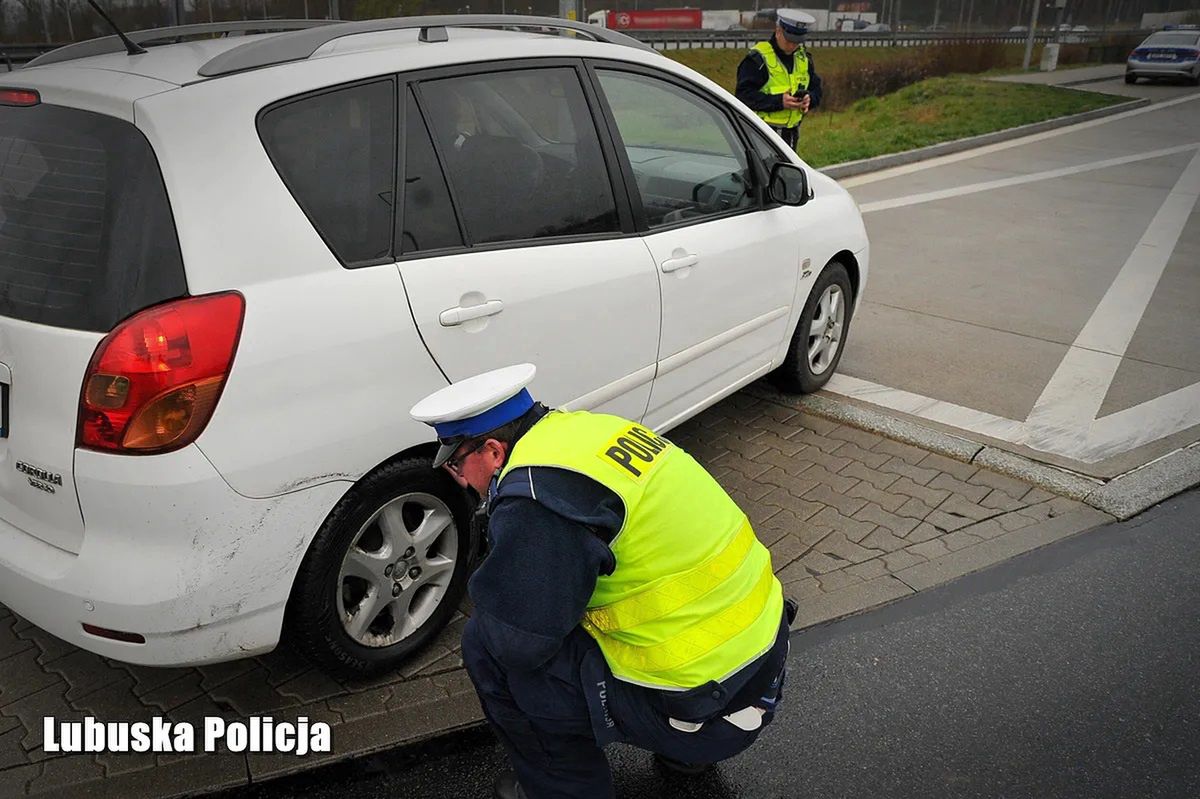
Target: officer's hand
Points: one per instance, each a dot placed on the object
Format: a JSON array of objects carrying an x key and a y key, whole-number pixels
[
  {"x": 793, "y": 103},
  {"x": 805, "y": 102}
]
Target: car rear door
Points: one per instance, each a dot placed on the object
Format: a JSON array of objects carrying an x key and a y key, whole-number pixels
[
  {"x": 728, "y": 265},
  {"x": 513, "y": 244},
  {"x": 86, "y": 238}
]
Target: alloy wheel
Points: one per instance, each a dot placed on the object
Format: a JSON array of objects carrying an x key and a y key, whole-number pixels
[
  {"x": 397, "y": 569},
  {"x": 825, "y": 332}
]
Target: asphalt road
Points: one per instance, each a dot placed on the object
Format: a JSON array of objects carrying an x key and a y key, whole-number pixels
[
  {"x": 1070, "y": 672},
  {"x": 1042, "y": 293}
]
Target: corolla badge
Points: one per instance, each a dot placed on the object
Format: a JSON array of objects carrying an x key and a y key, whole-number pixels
[{"x": 41, "y": 479}]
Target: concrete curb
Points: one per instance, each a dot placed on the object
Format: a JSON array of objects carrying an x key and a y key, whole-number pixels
[
  {"x": 1133, "y": 492},
  {"x": 1051, "y": 478},
  {"x": 906, "y": 432},
  {"x": 850, "y": 168},
  {"x": 1090, "y": 80},
  {"x": 1122, "y": 497}
]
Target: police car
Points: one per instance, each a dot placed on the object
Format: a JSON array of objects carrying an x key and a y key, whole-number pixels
[
  {"x": 229, "y": 266},
  {"x": 1173, "y": 52}
]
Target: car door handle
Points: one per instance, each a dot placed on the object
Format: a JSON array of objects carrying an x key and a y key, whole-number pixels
[
  {"x": 456, "y": 316},
  {"x": 684, "y": 261}
]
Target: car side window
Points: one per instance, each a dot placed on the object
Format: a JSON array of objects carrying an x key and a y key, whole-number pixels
[
  {"x": 428, "y": 221},
  {"x": 686, "y": 158},
  {"x": 522, "y": 154},
  {"x": 336, "y": 153}
]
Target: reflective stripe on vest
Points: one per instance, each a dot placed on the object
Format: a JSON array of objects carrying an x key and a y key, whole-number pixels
[
  {"x": 675, "y": 592},
  {"x": 693, "y": 597},
  {"x": 698, "y": 640},
  {"x": 780, "y": 81}
]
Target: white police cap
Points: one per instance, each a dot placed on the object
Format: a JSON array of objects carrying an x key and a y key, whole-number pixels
[
  {"x": 794, "y": 23},
  {"x": 475, "y": 406}
]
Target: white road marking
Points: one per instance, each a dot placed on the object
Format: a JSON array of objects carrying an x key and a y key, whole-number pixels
[
  {"x": 908, "y": 169},
  {"x": 1065, "y": 414},
  {"x": 1160, "y": 417},
  {"x": 1063, "y": 420},
  {"x": 1003, "y": 183}
]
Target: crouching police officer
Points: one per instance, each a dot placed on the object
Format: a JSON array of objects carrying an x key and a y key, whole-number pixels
[
  {"x": 777, "y": 80},
  {"x": 624, "y": 598}
]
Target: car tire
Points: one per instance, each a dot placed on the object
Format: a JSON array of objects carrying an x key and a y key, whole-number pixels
[
  {"x": 361, "y": 604},
  {"x": 830, "y": 302},
  {"x": 1130, "y": 78}
]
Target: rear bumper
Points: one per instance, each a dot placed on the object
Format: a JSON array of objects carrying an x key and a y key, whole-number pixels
[
  {"x": 169, "y": 552},
  {"x": 1158, "y": 69}
]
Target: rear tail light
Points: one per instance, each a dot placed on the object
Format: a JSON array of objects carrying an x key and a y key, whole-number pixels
[
  {"x": 154, "y": 381},
  {"x": 1192, "y": 54}
]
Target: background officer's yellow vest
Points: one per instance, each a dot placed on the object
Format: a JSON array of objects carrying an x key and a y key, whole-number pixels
[
  {"x": 780, "y": 81},
  {"x": 693, "y": 597}
]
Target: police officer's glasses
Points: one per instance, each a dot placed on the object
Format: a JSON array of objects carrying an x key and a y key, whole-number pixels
[{"x": 454, "y": 462}]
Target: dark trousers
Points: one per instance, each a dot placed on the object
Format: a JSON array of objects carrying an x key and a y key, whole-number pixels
[
  {"x": 555, "y": 721},
  {"x": 790, "y": 136}
]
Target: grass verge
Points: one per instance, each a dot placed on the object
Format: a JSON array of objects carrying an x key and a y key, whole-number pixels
[
  {"x": 881, "y": 100},
  {"x": 852, "y": 73},
  {"x": 934, "y": 111}
]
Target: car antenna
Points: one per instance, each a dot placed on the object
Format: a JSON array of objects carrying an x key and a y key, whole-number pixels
[{"x": 130, "y": 47}]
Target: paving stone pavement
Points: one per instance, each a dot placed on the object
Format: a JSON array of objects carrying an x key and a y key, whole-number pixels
[{"x": 852, "y": 520}]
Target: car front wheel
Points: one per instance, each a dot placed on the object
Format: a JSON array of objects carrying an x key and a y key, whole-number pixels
[
  {"x": 817, "y": 344},
  {"x": 1130, "y": 77},
  {"x": 384, "y": 573}
]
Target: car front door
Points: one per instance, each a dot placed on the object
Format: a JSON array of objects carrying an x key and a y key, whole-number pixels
[
  {"x": 514, "y": 246},
  {"x": 727, "y": 265}
]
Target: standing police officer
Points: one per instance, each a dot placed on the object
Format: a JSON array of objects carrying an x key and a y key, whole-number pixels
[
  {"x": 624, "y": 598},
  {"x": 777, "y": 80}
]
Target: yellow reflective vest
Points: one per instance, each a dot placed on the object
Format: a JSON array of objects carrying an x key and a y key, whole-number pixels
[
  {"x": 693, "y": 597},
  {"x": 780, "y": 81}
]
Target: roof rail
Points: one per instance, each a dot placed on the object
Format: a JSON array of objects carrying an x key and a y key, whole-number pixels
[
  {"x": 300, "y": 45},
  {"x": 113, "y": 44}
]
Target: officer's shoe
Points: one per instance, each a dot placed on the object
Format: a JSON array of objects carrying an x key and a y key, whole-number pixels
[
  {"x": 507, "y": 787},
  {"x": 679, "y": 766}
]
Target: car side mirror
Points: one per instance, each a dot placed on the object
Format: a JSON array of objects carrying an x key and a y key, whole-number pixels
[{"x": 788, "y": 185}]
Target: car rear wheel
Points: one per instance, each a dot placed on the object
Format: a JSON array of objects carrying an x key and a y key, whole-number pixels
[
  {"x": 384, "y": 573},
  {"x": 817, "y": 344},
  {"x": 1129, "y": 78}
]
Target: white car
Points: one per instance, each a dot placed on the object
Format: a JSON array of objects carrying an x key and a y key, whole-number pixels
[{"x": 229, "y": 266}]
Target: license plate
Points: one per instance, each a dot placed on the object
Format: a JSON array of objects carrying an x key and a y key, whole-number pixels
[{"x": 1161, "y": 57}]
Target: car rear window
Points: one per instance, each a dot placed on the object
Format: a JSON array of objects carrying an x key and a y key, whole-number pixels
[{"x": 86, "y": 232}]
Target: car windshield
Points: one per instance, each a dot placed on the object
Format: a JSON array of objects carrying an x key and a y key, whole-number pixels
[{"x": 1173, "y": 39}]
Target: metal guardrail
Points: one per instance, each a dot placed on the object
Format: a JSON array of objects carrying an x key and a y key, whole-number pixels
[{"x": 691, "y": 39}]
